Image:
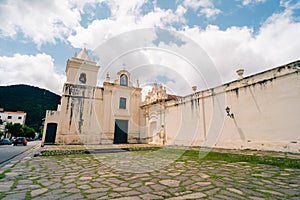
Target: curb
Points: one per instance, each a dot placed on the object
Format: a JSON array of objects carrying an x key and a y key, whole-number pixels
[{"x": 5, "y": 162}]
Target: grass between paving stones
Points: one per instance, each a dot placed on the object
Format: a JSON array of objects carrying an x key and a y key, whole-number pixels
[
  {"x": 28, "y": 196},
  {"x": 201, "y": 156},
  {"x": 14, "y": 186},
  {"x": 62, "y": 152},
  {"x": 2, "y": 175},
  {"x": 275, "y": 161}
]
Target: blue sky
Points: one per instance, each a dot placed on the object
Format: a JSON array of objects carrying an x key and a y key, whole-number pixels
[{"x": 38, "y": 36}]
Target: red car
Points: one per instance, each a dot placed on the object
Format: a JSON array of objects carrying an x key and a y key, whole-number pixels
[{"x": 20, "y": 140}]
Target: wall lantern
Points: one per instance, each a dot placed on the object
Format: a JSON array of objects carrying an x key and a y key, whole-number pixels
[{"x": 227, "y": 109}]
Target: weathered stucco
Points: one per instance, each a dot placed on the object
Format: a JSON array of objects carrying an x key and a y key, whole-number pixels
[{"x": 264, "y": 113}]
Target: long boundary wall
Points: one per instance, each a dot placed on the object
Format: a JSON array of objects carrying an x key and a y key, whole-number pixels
[{"x": 263, "y": 114}]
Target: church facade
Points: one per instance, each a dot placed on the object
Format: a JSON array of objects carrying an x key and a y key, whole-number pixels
[
  {"x": 94, "y": 115},
  {"x": 255, "y": 112}
]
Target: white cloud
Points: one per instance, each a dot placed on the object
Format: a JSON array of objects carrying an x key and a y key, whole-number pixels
[
  {"x": 210, "y": 12},
  {"x": 37, "y": 70},
  {"x": 275, "y": 44},
  {"x": 42, "y": 21},
  {"x": 125, "y": 17},
  {"x": 247, "y": 2},
  {"x": 289, "y": 5},
  {"x": 195, "y": 4},
  {"x": 206, "y": 7}
]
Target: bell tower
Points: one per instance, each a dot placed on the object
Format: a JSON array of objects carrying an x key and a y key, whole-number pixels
[
  {"x": 80, "y": 97},
  {"x": 82, "y": 70}
]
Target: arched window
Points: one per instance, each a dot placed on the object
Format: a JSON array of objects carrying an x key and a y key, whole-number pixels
[{"x": 124, "y": 80}]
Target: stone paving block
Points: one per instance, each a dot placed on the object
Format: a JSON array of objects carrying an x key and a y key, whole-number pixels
[
  {"x": 204, "y": 176},
  {"x": 230, "y": 194},
  {"x": 203, "y": 183},
  {"x": 144, "y": 189},
  {"x": 158, "y": 187},
  {"x": 173, "y": 190},
  {"x": 26, "y": 187},
  {"x": 121, "y": 189},
  {"x": 67, "y": 181},
  {"x": 15, "y": 196},
  {"x": 85, "y": 178},
  {"x": 220, "y": 196},
  {"x": 24, "y": 182},
  {"x": 174, "y": 174},
  {"x": 74, "y": 197},
  {"x": 72, "y": 185},
  {"x": 58, "y": 191},
  {"x": 84, "y": 187},
  {"x": 45, "y": 182},
  {"x": 149, "y": 183},
  {"x": 290, "y": 191},
  {"x": 219, "y": 184},
  {"x": 150, "y": 196},
  {"x": 114, "y": 195},
  {"x": 124, "y": 184},
  {"x": 38, "y": 192},
  {"x": 5, "y": 186},
  {"x": 128, "y": 198},
  {"x": 170, "y": 183},
  {"x": 162, "y": 193},
  {"x": 96, "y": 195},
  {"x": 251, "y": 192},
  {"x": 55, "y": 186},
  {"x": 135, "y": 185},
  {"x": 187, "y": 182},
  {"x": 131, "y": 193},
  {"x": 256, "y": 198},
  {"x": 212, "y": 191},
  {"x": 196, "y": 195},
  {"x": 73, "y": 190},
  {"x": 11, "y": 175},
  {"x": 272, "y": 192},
  {"x": 235, "y": 191}
]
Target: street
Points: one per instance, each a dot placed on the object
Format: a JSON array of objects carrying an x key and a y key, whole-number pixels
[{"x": 9, "y": 151}]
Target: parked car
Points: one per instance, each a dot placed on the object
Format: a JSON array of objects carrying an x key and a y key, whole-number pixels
[
  {"x": 20, "y": 140},
  {"x": 5, "y": 141}
]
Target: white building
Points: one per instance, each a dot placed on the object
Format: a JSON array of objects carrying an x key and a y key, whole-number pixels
[
  {"x": 256, "y": 112},
  {"x": 13, "y": 117}
]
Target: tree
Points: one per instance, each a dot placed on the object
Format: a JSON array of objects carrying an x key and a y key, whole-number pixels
[
  {"x": 14, "y": 129},
  {"x": 28, "y": 131},
  {"x": 17, "y": 130}
]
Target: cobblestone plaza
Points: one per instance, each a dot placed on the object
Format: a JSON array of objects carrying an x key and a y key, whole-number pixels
[{"x": 129, "y": 175}]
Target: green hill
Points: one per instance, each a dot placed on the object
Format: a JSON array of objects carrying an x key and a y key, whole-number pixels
[{"x": 33, "y": 100}]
